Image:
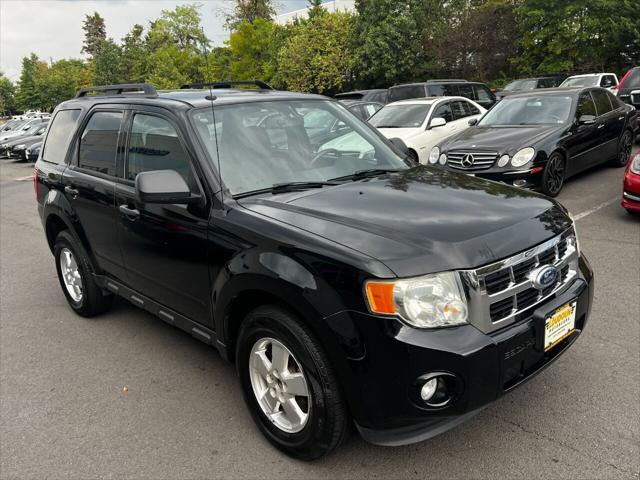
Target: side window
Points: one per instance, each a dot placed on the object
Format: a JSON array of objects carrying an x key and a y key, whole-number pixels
[
  {"x": 608, "y": 81},
  {"x": 615, "y": 101},
  {"x": 472, "y": 109},
  {"x": 406, "y": 92},
  {"x": 444, "y": 111},
  {"x": 460, "y": 110},
  {"x": 585, "y": 106},
  {"x": 482, "y": 94},
  {"x": 466, "y": 91},
  {"x": 99, "y": 143},
  {"x": 154, "y": 145},
  {"x": 603, "y": 105},
  {"x": 62, "y": 128}
]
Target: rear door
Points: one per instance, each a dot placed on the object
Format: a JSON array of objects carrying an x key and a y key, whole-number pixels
[
  {"x": 164, "y": 246},
  {"x": 582, "y": 146},
  {"x": 608, "y": 126},
  {"x": 89, "y": 184}
]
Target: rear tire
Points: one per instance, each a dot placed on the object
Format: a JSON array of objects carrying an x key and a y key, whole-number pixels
[
  {"x": 553, "y": 176},
  {"x": 318, "y": 421},
  {"x": 75, "y": 274},
  {"x": 624, "y": 150}
]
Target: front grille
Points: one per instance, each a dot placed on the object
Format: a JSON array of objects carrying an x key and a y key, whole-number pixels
[
  {"x": 635, "y": 98},
  {"x": 479, "y": 160},
  {"x": 499, "y": 292}
]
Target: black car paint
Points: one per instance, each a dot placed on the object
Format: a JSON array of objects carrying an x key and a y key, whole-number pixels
[
  {"x": 202, "y": 267},
  {"x": 583, "y": 146}
]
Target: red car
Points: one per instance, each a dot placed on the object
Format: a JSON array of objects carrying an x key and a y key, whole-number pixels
[{"x": 631, "y": 192}]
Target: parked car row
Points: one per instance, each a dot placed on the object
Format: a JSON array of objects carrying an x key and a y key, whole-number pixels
[{"x": 18, "y": 136}]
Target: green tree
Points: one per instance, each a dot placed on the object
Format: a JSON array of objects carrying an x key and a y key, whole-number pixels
[
  {"x": 253, "y": 48},
  {"x": 95, "y": 33},
  {"x": 184, "y": 26},
  {"x": 318, "y": 57},
  {"x": 61, "y": 81},
  {"x": 387, "y": 39},
  {"x": 107, "y": 63},
  {"x": 582, "y": 35},
  {"x": 30, "y": 95},
  {"x": 249, "y": 11},
  {"x": 133, "y": 63},
  {"x": 7, "y": 95}
]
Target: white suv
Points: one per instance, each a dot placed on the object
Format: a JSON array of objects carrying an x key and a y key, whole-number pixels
[{"x": 604, "y": 80}]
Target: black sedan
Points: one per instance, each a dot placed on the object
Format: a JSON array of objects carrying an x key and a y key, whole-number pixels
[
  {"x": 540, "y": 138},
  {"x": 18, "y": 146}
]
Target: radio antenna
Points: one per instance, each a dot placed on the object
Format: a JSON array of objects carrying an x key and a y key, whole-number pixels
[{"x": 211, "y": 97}]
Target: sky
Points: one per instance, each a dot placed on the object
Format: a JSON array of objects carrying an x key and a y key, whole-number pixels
[{"x": 52, "y": 29}]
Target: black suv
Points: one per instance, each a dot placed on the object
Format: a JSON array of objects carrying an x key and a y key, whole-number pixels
[
  {"x": 629, "y": 88},
  {"x": 349, "y": 286},
  {"x": 476, "y": 91}
]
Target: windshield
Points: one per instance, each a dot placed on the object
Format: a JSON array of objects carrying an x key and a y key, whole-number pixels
[
  {"x": 581, "y": 81},
  {"x": 529, "y": 110},
  {"x": 262, "y": 144},
  {"x": 521, "y": 85},
  {"x": 400, "y": 116}
]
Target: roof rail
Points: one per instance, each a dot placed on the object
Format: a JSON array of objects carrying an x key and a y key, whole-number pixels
[
  {"x": 229, "y": 84},
  {"x": 119, "y": 89},
  {"x": 434, "y": 80}
]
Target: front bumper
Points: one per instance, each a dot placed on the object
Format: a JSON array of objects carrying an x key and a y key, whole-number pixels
[
  {"x": 631, "y": 192},
  {"x": 528, "y": 178},
  {"x": 387, "y": 358}
]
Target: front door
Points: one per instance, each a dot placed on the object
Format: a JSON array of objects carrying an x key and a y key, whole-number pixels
[
  {"x": 583, "y": 144},
  {"x": 164, "y": 246}
]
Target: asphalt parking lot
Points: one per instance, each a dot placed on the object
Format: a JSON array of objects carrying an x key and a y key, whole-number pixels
[{"x": 127, "y": 396}]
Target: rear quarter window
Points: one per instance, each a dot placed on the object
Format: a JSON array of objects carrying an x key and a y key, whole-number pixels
[
  {"x": 62, "y": 128},
  {"x": 406, "y": 92}
]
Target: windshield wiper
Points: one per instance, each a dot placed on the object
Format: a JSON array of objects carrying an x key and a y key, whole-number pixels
[
  {"x": 370, "y": 172},
  {"x": 286, "y": 187}
]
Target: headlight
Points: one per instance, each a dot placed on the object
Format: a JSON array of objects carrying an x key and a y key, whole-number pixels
[
  {"x": 443, "y": 159},
  {"x": 429, "y": 301},
  {"x": 635, "y": 165},
  {"x": 434, "y": 154},
  {"x": 523, "y": 157},
  {"x": 504, "y": 159}
]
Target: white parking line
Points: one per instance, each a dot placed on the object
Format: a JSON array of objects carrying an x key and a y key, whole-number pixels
[
  {"x": 24, "y": 179},
  {"x": 581, "y": 215}
]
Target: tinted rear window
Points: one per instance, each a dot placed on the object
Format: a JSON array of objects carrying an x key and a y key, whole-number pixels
[
  {"x": 99, "y": 143},
  {"x": 406, "y": 91},
  {"x": 633, "y": 80},
  {"x": 60, "y": 132},
  {"x": 603, "y": 105}
]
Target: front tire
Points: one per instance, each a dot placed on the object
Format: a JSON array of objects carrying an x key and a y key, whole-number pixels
[
  {"x": 553, "y": 176},
  {"x": 289, "y": 385},
  {"x": 624, "y": 150},
  {"x": 75, "y": 274}
]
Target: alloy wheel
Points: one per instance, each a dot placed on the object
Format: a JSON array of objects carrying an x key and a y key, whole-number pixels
[
  {"x": 555, "y": 174},
  {"x": 71, "y": 274},
  {"x": 279, "y": 385}
]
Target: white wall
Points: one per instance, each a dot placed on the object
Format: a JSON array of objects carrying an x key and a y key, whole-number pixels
[{"x": 330, "y": 5}]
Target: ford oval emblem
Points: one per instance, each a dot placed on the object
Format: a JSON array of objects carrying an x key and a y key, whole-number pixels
[{"x": 544, "y": 276}]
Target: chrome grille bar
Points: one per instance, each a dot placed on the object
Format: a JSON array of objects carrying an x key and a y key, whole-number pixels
[
  {"x": 498, "y": 292},
  {"x": 481, "y": 160}
]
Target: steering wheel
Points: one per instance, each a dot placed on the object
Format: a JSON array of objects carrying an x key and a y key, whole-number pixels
[
  {"x": 267, "y": 117},
  {"x": 322, "y": 153}
]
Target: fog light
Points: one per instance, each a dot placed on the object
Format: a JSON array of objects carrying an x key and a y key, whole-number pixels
[
  {"x": 519, "y": 183},
  {"x": 428, "y": 390}
]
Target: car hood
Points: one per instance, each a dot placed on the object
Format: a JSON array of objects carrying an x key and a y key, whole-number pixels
[
  {"x": 26, "y": 140},
  {"x": 421, "y": 220},
  {"x": 402, "y": 133},
  {"x": 506, "y": 139}
]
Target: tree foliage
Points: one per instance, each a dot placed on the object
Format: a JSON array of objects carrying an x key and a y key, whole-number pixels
[
  {"x": 7, "y": 95},
  {"x": 386, "y": 42}
]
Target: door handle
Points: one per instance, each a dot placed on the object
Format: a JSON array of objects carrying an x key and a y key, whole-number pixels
[
  {"x": 72, "y": 191},
  {"x": 132, "y": 213},
  {"x": 600, "y": 126}
]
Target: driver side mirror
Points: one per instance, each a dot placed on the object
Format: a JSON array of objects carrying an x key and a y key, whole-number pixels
[
  {"x": 164, "y": 186},
  {"x": 472, "y": 122},
  {"x": 586, "y": 120},
  {"x": 437, "y": 122}
]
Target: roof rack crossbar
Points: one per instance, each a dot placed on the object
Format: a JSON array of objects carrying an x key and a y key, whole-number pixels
[
  {"x": 119, "y": 89},
  {"x": 228, "y": 84}
]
